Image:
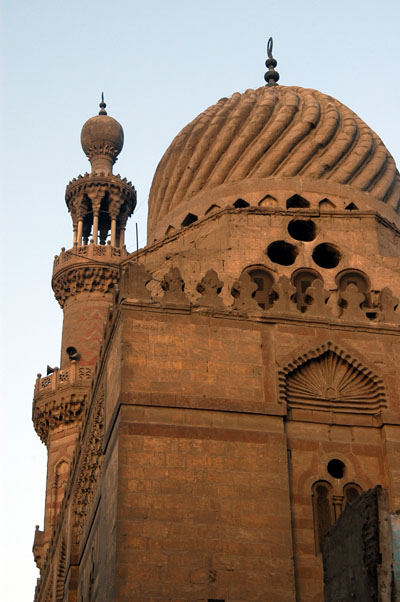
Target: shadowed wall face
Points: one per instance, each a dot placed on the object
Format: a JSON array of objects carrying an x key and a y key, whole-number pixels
[{"x": 357, "y": 552}]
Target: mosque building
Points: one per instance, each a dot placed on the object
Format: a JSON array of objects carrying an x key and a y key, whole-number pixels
[{"x": 225, "y": 391}]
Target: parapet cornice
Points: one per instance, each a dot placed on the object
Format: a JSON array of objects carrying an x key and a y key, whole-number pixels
[
  {"x": 382, "y": 316},
  {"x": 89, "y": 268}
]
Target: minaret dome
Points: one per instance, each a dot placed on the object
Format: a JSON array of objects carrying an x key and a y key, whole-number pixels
[{"x": 102, "y": 139}]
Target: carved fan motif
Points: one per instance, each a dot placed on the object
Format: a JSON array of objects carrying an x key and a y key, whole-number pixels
[{"x": 330, "y": 382}]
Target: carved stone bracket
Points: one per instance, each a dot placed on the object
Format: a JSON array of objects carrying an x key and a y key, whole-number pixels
[
  {"x": 173, "y": 287},
  {"x": 387, "y": 306},
  {"x": 209, "y": 288},
  {"x": 242, "y": 292},
  {"x": 285, "y": 291},
  {"x": 319, "y": 296},
  {"x": 353, "y": 299}
]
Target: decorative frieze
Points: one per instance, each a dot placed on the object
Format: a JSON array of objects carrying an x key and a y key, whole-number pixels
[
  {"x": 91, "y": 463},
  {"x": 89, "y": 278}
]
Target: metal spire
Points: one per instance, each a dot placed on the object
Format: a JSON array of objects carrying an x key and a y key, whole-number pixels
[
  {"x": 271, "y": 76},
  {"x": 102, "y": 105}
]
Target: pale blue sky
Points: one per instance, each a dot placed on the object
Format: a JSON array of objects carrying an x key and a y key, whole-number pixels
[{"x": 159, "y": 64}]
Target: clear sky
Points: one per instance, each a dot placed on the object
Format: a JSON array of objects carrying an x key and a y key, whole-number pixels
[{"x": 159, "y": 64}]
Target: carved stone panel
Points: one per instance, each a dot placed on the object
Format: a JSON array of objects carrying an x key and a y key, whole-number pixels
[{"x": 329, "y": 379}]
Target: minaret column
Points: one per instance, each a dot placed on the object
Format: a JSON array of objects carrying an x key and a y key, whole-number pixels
[
  {"x": 122, "y": 236},
  {"x": 80, "y": 230},
  {"x": 95, "y": 226},
  {"x": 113, "y": 230}
]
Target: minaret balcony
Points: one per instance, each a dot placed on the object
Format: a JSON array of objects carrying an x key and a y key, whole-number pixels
[
  {"x": 88, "y": 268},
  {"x": 60, "y": 398},
  {"x": 79, "y": 254}
]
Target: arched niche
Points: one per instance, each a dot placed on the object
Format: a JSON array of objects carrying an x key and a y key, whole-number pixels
[
  {"x": 323, "y": 513},
  {"x": 356, "y": 277},
  {"x": 351, "y": 491},
  {"x": 302, "y": 279},
  {"x": 264, "y": 280}
]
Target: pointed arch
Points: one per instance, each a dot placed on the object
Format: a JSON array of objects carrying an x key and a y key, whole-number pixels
[{"x": 329, "y": 378}]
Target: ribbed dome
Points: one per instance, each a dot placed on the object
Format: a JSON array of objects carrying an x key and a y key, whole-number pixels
[{"x": 274, "y": 133}]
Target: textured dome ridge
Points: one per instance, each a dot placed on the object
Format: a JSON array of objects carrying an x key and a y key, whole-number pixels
[{"x": 273, "y": 132}]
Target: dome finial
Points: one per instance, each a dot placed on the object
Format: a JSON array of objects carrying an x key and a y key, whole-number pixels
[
  {"x": 271, "y": 76},
  {"x": 102, "y": 105}
]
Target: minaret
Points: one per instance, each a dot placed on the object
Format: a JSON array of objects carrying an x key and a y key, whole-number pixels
[{"x": 84, "y": 278}]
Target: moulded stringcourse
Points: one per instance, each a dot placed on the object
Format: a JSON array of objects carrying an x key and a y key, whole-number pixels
[{"x": 330, "y": 379}]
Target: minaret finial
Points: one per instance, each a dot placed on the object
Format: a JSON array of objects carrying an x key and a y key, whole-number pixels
[
  {"x": 102, "y": 105},
  {"x": 271, "y": 76}
]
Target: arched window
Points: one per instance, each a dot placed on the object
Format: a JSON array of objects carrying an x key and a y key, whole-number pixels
[
  {"x": 323, "y": 512},
  {"x": 351, "y": 491},
  {"x": 302, "y": 279},
  {"x": 264, "y": 281}
]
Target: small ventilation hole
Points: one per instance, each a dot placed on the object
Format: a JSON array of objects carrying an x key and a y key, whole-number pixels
[
  {"x": 241, "y": 204},
  {"x": 189, "y": 219},
  {"x": 351, "y": 207},
  {"x": 297, "y": 202}
]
